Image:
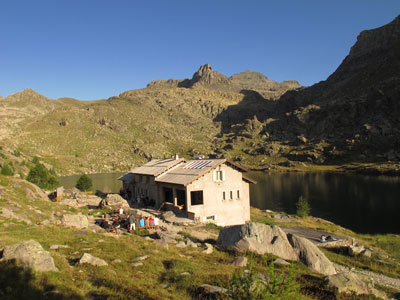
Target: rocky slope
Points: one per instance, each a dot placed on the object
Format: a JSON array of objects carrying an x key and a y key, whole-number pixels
[{"x": 352, "y": 116}]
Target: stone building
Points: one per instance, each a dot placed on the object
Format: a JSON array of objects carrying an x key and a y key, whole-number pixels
[{"x": 209, "y": 190}]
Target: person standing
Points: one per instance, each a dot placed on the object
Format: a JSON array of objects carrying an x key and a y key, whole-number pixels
[{"x": 132, "y": 222}]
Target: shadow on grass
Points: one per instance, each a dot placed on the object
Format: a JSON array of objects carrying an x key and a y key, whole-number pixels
[
  {"x": 17, "y": 282},
  {"x": 112, "y": 289}
]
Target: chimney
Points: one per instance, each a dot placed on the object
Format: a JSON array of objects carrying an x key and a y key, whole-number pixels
[{"x": 176, "y": 156}]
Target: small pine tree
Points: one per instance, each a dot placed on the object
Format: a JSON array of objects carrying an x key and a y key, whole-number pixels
[
  {"x": 256, "y": 286},
  {"x": 7, "y": 170},
  {"x": 42, "y": 177},
  {"x": 303, "y": 207},
  {"x": 84, "y": 183}
]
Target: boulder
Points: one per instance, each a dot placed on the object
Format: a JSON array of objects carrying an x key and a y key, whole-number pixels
[
  {"x": 211, "y": 291},
  {"x": 240, "y": 262},
  {"x": 92, "y": 260},
  {"x": 256, "y": 237},
  {"x": 209, "y": 248},
  {"x": 355, "y": 250},
  {"x": 282, "y": 262},
  {"x": 30, "y": 253},
  {"x": 114, "y": 201},
  {"x": 310, "y": 255},
  {"x": 347, "y": 282},
  {"x": 77, "y": 221}
]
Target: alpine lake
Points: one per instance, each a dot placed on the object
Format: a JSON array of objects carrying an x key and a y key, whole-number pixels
[{"x": 364, "y": 204}]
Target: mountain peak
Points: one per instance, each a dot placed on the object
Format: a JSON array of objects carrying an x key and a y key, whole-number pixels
[{"x": 206, "y": 76}]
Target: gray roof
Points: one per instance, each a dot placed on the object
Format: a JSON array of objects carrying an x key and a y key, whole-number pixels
[
  {"x": 156, "y": 167},
  {"x": 127, "y": 178},
  {"x": 190, "y": 171}
]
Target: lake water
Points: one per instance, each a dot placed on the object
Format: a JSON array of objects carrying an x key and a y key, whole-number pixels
[
  {"x": 365, "y": 204},
  {"x": 105, "y": 182}
]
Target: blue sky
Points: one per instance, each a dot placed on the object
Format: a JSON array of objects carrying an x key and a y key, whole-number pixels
[{"x": 93, "y": 49}]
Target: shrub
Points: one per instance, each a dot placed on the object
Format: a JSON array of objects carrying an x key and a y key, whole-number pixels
[
  {"x": 42, "y": 177},
  {"x": 84, "y": 183},
  {"x": 256, "y": 286},
  {"x": 7, "y": 170},
  {"x": 16, "y": 153},
  {"x": 35, "y": 160},
  {"x": 303, "y": 207}
]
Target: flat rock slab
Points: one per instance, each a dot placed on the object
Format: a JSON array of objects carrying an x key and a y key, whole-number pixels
[
  {"x": 92, "y": 260},
  {"x": 56, "y": 247},
  {"x": 137, "y": 264},
  {"x": 30, "y": 253},
  {"x": 77, "y": 221},
  {"x": 144, "y": 257}
]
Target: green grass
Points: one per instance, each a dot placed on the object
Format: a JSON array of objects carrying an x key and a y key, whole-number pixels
[{"x": 121, "y": 280}]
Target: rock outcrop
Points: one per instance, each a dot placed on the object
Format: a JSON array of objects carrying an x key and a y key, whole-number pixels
[
  {"x": 30, "y": 253},
  {"x": 256, "y": 237},
  {"x": 114, "y": 201},
  {"x": 346, "y": 282},
  {"x": 311, "y": 256},
  {"x": 206, "y": 77},
  {"x": 77, "y": 221},
  {"x": 9, "y": 214},
  {"x": 261, "y": 239}
]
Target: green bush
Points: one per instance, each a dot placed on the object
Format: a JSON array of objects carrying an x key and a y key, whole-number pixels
[
  {"x": 303, "y": 207},
  {"x": 84, "y": 183},
  {"x": 35, "y": 160},
  {"x": 252, "y": 285},
  {"x": 42, "y": 177},
  {"x": 7, "y": 170},
  {"x": 16, "y": 153}
]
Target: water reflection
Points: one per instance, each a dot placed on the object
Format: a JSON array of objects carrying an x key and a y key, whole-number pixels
[
  {"x": 105, "y": 182},
  {"x": 362, "y": 203}
]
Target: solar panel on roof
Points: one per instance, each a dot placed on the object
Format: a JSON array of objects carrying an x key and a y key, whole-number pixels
[{"x": 197, "y": 164}]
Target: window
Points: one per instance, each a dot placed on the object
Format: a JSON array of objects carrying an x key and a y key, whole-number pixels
[
  {"x": 223, "y": 196},
  {"x": 231, "y": 194},
  {"x": 238, "y": 194},
  {"x": 219, "y": 176},
  {"x": 196, "y": 198}
]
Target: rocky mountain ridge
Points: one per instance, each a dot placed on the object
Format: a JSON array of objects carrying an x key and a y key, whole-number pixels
[{"x": 206, "y": 77}]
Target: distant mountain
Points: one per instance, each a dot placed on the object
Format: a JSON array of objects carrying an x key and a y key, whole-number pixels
[
  {"x": 353, "y": 116},
  {"x": 205, "y": 77}
]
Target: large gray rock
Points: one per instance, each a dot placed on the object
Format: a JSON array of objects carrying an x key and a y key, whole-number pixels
[
  {"x": 256, "y": 237},
  {"x": 77, "y": 221},
  {"x": 310, "y": 255},
  {"x": 30, "y": 253},
  {"x": 347, "y": 282},
  {"x": 114, "y": 201},
  {"x": 92, "y": 260}
]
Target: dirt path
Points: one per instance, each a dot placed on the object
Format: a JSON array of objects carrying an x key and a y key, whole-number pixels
[{"x": 312, "y": 234}]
